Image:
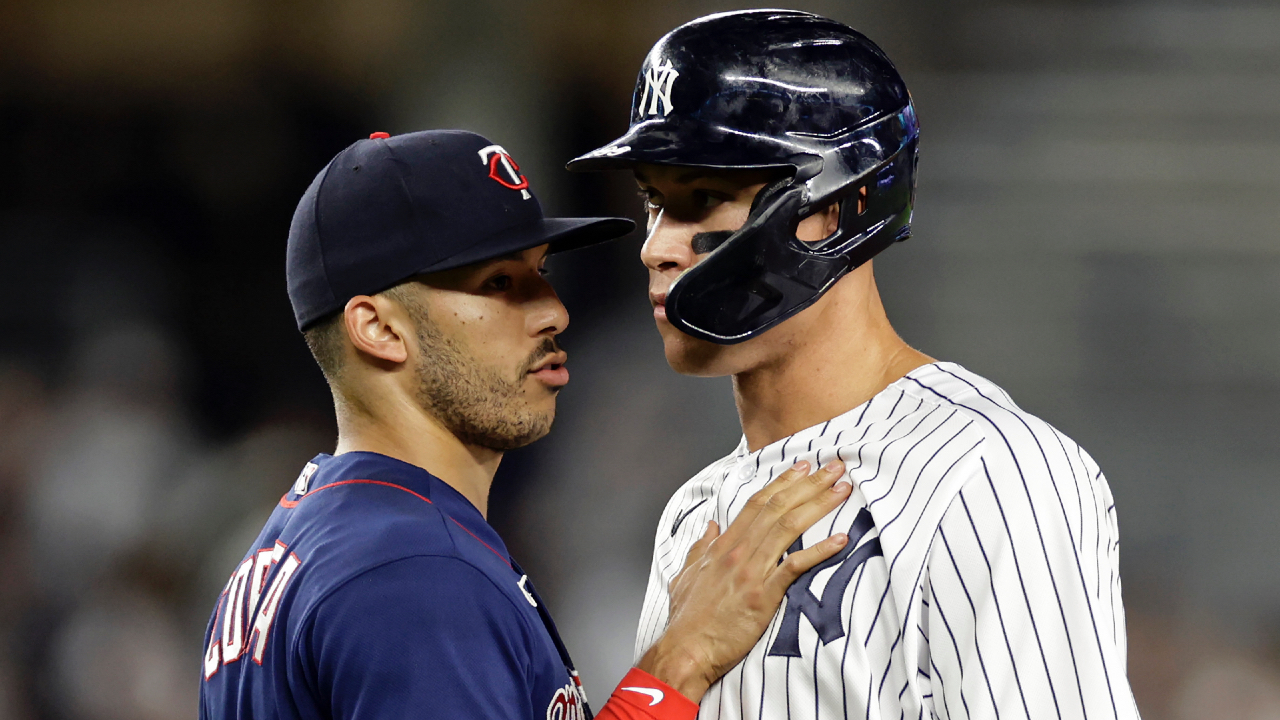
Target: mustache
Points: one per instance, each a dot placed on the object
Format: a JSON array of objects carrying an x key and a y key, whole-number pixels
[
  {"x": 544, "y": 349},
  {"x": 705, "y": 242}
]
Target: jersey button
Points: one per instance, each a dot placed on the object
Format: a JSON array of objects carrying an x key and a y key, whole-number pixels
[{"x": 745, "y": 472}]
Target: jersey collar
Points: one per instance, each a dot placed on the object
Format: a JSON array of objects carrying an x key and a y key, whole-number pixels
[
  {"x": 375, "y": 466},
  {"x": 807, "y": 439}
]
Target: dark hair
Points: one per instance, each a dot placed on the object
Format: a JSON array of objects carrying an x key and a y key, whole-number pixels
[{"x": 324, "y": 340}]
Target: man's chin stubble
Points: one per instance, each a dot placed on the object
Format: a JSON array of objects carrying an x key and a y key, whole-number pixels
[{"x": 481, "y": 409}]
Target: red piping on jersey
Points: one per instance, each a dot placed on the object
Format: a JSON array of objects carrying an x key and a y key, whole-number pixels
[
  {"x": 495, "y": 552},
  {"x": 291, "y": 504}
]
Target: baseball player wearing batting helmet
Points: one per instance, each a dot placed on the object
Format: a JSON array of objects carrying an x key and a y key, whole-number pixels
[
  {"x": 377, "y": 589},
  {"x": 776, "y": 151}
]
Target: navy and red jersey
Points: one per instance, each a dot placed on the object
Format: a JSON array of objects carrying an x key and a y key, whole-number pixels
[{"x": 377, "y": 591}]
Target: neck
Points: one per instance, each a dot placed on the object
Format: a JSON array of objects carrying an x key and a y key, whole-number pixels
[
  {"x": 824, "y": 373},
  {"x": 401, "y": 430}
]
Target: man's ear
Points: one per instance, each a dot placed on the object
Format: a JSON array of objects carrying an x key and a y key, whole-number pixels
[
  {"x": 831, "y": 219},
  {"x": 820, "y": 225},
  {"x": 377, "y": 328}
]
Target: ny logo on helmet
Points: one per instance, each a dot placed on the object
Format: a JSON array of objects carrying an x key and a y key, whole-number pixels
[
  {"x": 501, "y": 164},
  {"x": 658, "y": 81}
]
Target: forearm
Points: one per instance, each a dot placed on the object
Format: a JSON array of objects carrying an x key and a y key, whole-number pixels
[{"x": 678, "y": 668}]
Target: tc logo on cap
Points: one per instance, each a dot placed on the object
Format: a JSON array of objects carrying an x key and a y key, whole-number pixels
[{"x": 501, "y": 164}]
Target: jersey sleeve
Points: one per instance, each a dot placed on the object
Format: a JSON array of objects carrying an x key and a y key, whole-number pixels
[
  {"x": 1021, "y": 600},
  {"x": 419, "y": 637}
]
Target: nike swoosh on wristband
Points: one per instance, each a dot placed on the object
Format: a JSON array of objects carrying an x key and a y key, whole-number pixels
[{"x": 657, "y": 695}]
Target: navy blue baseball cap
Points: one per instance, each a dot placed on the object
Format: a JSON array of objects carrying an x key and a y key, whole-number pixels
[{"x": 391, "y": 207}]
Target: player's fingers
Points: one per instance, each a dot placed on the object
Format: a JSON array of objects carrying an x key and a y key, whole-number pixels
[
  {"x": 800, "y": 492},
  {"x": 759, "y": 501},
  {"x": 798, "y": 563},
  {"x": 795, "y": 495},
  {"x": 774, "y": 539}
]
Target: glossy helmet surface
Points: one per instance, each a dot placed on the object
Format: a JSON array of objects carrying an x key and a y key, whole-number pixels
[{"x": 775, "y": 89}]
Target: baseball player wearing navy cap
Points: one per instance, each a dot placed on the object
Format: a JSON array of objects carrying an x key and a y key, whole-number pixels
[
  {"x": 777, "y": 153},
  {"x": 377, "y": 589}
]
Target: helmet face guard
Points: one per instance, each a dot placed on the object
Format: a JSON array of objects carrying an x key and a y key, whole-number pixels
[
  {"x": 763, "y": 274},
  {"x": 775, "y": 89}
]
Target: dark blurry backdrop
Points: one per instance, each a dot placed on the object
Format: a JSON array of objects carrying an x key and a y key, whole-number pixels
[{"x": 1096, "y": 230}]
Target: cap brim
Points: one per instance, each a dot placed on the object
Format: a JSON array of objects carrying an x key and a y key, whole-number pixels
[{"x": 560, "y": 233}]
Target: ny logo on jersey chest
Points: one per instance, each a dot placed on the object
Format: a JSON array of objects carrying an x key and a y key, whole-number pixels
[{"x": 824, "y": 613}]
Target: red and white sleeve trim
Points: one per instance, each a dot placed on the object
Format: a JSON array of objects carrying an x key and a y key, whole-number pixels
[{"x": 641, "y": 696}]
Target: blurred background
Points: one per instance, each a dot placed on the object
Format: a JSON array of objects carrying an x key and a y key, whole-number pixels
[{"x": 1097, "y": 229}]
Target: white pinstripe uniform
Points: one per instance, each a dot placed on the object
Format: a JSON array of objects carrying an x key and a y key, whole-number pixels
[{"x": 980, "y": 579}]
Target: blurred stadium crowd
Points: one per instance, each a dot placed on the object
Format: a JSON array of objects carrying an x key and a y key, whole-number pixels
[{"x": 1097, "y": 230}]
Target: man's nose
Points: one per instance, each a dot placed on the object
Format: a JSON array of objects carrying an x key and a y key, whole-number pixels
[
  {"x": 668, "y": 246},
  {"x": 548, "y": 316}
]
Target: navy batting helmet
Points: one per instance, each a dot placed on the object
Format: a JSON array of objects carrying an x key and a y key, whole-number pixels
[{"x": 775, "y": 89}]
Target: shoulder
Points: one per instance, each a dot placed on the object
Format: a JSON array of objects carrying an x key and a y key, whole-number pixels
[
  {"x": 1025, "y": 463},
  {"x": 359, "y": 532},
  {"x": 1010, "y": 432},
  {"x": 367, "y": 523},
  {"x": 948, "y": 385}
]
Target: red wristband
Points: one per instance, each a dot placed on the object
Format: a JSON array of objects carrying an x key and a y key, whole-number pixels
[{"x": 641, "y": 696}]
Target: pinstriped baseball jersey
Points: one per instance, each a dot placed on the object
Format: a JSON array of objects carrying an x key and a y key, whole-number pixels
[{"x": 980, "y": 579}]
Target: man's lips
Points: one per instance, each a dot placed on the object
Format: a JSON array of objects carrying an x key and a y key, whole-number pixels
[
  {"x": 551, "y": 369},
  {"x": 659, "y": 302}
]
